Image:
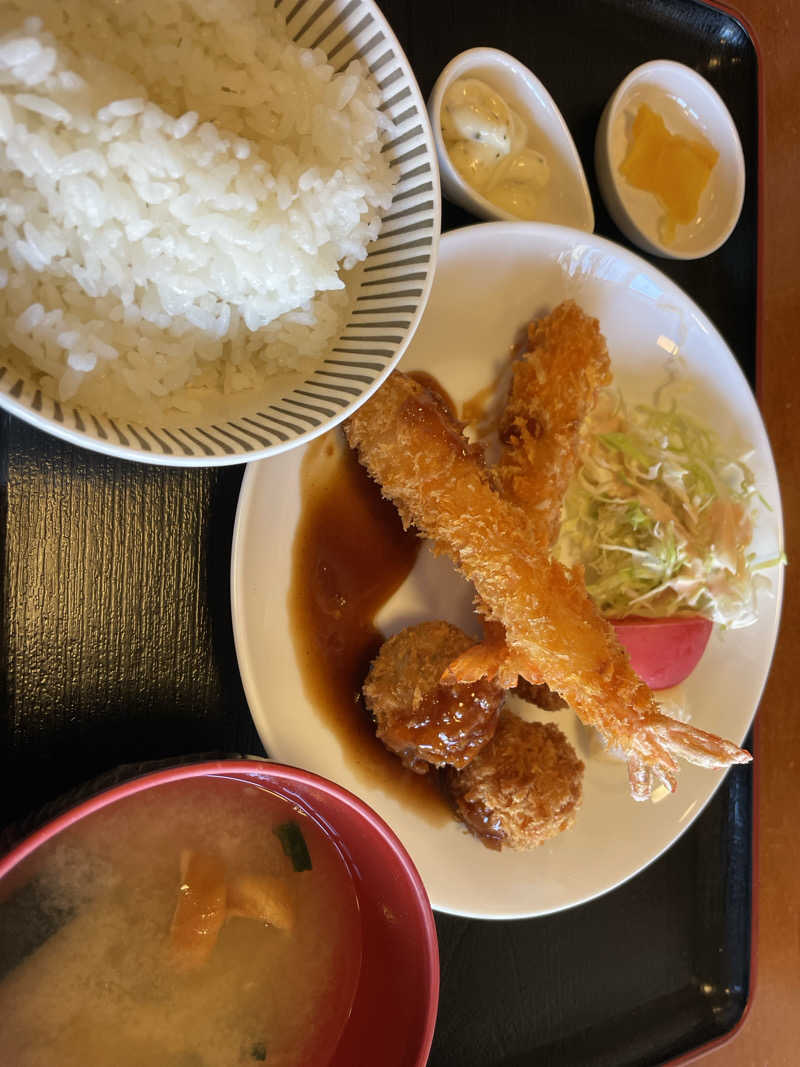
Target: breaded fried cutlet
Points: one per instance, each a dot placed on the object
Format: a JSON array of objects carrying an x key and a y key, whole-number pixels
[
  {"x": 424, "y": 722},
  {"x": 524, "y": 787}
]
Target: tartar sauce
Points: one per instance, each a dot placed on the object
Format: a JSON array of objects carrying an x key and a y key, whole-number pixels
[{"x": 487, "y": 144}]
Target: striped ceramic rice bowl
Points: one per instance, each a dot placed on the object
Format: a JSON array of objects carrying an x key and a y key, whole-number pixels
[{"x": 219, "y": 220}]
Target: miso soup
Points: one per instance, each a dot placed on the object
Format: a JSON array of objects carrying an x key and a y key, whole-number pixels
[{"x": 205, "y": 922}]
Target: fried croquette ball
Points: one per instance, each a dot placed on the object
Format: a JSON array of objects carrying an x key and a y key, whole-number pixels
[
  {"x": 424, "y": 722},
  {"x": 522, "y": 788}
]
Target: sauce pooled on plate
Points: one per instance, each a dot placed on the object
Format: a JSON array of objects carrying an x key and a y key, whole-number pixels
[{"x": 350, "y": 555}]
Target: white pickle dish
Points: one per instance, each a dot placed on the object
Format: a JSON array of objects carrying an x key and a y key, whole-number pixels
[{"x": 691, "y": 108}]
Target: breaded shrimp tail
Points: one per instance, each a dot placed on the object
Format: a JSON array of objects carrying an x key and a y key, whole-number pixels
[
  {"x": 490, "y": 658},
  {"x": 439, "y": 483},
  {"x": 554, "y": 388}
]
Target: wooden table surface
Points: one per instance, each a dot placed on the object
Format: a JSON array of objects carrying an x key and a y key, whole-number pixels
[{"x": 768, "y": 1035}]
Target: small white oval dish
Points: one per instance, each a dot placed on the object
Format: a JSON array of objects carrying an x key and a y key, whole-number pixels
[
  {"x": 689, "y": 106},
  {"x": 566, "y": 201}
]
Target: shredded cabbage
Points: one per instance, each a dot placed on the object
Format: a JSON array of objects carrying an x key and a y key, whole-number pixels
[{"x": 660, "y": 518}]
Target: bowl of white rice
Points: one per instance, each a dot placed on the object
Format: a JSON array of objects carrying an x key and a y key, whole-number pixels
[{"x": 218, "y": 220}]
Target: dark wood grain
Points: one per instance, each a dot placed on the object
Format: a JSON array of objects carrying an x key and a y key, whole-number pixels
[{"x": 117, "y": 641}]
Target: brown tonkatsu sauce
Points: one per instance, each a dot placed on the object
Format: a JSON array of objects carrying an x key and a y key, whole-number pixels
[
  {"x": 350, "y": 555},
  {"x": 486, "y": 824},
  {"x": 433, "y": 385},
  {"x": 450, "y": 724}
]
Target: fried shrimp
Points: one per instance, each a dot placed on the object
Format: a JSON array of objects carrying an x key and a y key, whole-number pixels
[
  {"x": 554, "y": 633},
  {"x": 554, "y": 388},
  {"x": 524, "y": 787},
  {"x": 425, "y": 722}
]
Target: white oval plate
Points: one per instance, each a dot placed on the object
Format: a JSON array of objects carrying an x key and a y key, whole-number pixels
[{"x": 491, "y": 280}]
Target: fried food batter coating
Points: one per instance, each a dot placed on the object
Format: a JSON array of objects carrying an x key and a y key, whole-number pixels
[
  {"x": 423, "y": 720},
  {"x": 524, "y": 787},
  {"x": 439, "y": 484},
  {"x": 554, "y": 388},
  {"x": 541, "y": 696},
  {"x": 494, "y": 647}
]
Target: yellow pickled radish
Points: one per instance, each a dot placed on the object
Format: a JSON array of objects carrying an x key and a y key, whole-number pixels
[{"x": 676, "y": 169}]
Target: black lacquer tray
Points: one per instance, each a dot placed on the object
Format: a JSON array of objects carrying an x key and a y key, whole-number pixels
[{"x": 117, "y": 646}]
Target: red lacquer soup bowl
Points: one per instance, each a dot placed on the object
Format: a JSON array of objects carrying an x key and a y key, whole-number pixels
[{"x": 384, "y": 967}]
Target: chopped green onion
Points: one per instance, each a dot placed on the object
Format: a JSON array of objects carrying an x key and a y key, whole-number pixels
[{"x": 294, "y": 845}]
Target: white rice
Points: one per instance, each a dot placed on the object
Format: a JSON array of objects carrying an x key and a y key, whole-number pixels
[{"x": 181, "y": 187}]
